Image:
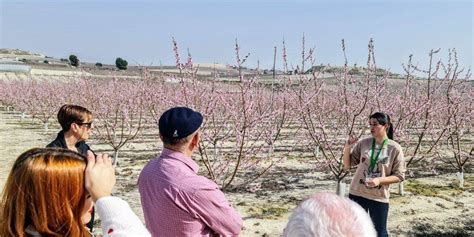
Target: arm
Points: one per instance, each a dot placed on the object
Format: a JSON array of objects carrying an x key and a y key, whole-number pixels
[
  {"x": 211, "y": 206},
  {"x": 118, "y": 219},
  {"x": 383, "y": 181},
  {"x": 399, "y": 166},
  {"x": 397, "y": 174},
  {"x": 346, "y": 158}
]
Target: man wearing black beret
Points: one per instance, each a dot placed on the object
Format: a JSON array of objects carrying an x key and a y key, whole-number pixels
[{"x": 176, "y": 201}]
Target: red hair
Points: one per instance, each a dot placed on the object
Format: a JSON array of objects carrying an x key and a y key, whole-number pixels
[{"x": 45, "y": 190}]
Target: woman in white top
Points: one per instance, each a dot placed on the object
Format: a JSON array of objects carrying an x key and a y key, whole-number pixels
[
  {"x": 51, "y": 192},
  {"x": 380, "y": 162}
]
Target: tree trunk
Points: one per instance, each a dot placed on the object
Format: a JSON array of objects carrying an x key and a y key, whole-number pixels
[
  {"x": 116, "y": 157},
  {"x": 341, "y": 188},
  {"x": 316, "y": 151},
  {"x": 461, "y": 179},
  {"x": 401, "y": 188},
  {"x": 216, "y": 152}
]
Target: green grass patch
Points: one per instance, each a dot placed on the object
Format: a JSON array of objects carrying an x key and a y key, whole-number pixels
[
  {"x": 292, "y": 157},
  {"x": 399, "y": 199},
  {"x": 469, "y": 182},
  {"x": 418, "y": 188},
  {"x": 273, "y": 212}
]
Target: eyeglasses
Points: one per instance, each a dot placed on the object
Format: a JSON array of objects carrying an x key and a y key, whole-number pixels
[{"x": 88, "y": 125}]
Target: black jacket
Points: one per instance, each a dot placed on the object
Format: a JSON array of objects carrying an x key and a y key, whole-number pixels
[{"x": 81, "y": 146}]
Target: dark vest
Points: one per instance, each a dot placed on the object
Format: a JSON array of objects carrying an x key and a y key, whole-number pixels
[{"x": 81, "y": 146}]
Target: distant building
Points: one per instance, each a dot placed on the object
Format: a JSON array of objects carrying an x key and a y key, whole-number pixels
[
  {"x": 171, "y": 80},
  {"x": 14, "y": 68}
]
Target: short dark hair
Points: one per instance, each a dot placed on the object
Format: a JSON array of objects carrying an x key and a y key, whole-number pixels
[{"x": 69, "y": 114}]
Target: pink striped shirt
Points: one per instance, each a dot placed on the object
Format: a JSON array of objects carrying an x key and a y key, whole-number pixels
[{"x": 178, "y": 202}]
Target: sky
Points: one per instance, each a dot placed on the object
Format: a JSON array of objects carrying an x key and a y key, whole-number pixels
[{"x": 141, "y": 31}]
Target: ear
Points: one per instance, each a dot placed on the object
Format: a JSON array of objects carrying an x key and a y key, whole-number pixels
[
  {"x": 195, "y": 140},
  {"x": 74, "y": 127}
]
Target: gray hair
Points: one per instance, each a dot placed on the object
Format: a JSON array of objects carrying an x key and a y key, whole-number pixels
[
  {"x": 327, "y": 214},
  {"x": 177, "y": 142}
]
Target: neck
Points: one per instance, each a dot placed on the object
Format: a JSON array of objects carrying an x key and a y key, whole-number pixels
[
  {"x": 186, "y": 152},
  {"x": 70, "y": 139},
  {"x": 379, "y": 140}
]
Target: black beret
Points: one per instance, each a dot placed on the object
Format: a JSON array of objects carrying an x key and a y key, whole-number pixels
[{"x": 179, "y": 122}]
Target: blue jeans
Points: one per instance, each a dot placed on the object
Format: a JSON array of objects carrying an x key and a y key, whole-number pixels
[{"x": 378, "y": 212}]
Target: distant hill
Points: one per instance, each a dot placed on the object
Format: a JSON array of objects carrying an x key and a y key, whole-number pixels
[
  {"x": 19, "y": 52},
  {"x": 41, "y": 61},
  {"x": 354, "y": 70}
]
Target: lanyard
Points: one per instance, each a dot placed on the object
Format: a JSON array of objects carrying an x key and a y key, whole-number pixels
[{"x": 373, "y": 160}]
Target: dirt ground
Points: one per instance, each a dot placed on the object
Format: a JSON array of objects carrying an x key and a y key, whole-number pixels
[{"x": 432, "y": 205}]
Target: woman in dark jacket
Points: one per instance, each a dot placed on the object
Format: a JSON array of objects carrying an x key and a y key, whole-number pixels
[{"x": 76, "y": 124}]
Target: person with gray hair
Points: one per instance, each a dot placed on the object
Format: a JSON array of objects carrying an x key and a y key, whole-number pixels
[{"x": 327, "y": 214}]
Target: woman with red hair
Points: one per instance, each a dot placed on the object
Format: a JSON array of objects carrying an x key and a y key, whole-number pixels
[{"x": 51, "y": 192}]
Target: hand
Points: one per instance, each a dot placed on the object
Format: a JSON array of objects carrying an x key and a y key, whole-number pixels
[
  {"x": 351, "y": 141},
  {"x": 372, "y": 183},
  {"x": 99, "y": 175}
]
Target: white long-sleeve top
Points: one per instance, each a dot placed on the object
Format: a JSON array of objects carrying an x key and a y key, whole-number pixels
[{"x": 118, "y": 219}]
